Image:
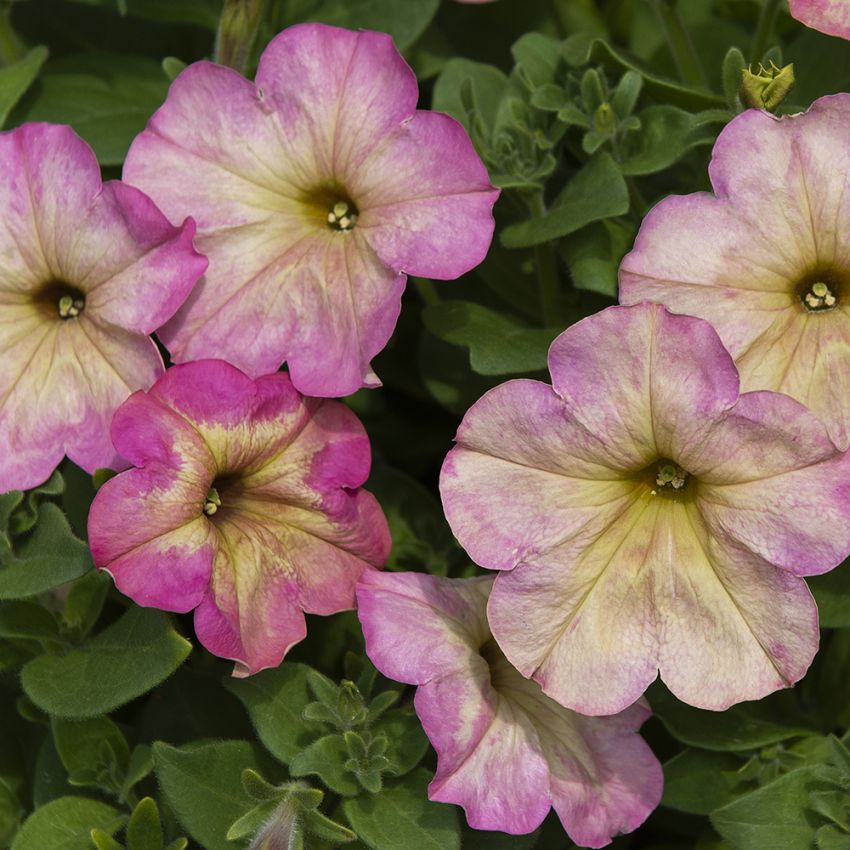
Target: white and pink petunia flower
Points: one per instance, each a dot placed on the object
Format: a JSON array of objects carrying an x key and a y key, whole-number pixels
[
  {"x": 506, "y": 752},
  {"x": 244, "y": 505},
  {"x": 317, "y": 189},
  {"x": 766, "y": 258},
  {"x": 829, "y": 16},
  {"x": 646, "y": 518},
  {"x": 87, "y": 271}
]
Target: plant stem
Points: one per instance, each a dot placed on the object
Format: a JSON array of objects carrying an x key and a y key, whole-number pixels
[
  {"x": 427, "y": 291},
  {"x": 11, "y": 47},
  {"x": 547, "y": 272},
  {"x": 680, "y": 44},
  {"x": 764, "y": 29}
]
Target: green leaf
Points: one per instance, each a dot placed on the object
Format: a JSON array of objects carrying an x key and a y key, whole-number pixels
[
  {"x": 275, "y": 700},
  {"x": 698, "y": 781},
  {"x": 10, "y": 812},
  {"x": 79, "y": 743},
  {"x": 747, "y": 726},
  {"x": 27, "y": 620},
  {"x": 326, "y": 759},
  {"x": 141, "y": 764},
  {"x": 85, "y": 600},
  {"x": 402, "y": 817},
  {"x": 596, "y": 192},
  {"x": 832, "y": 593},
  {"x": 144, "y": 831},
  {"x": 486, "y": 84},
  {"x": 66, "y": 824},
  {"x": 536, "y": 57},
  {"x": 16, "y": 78},
  {"x": 406, "y": 739},
  {"x": 252, "y": 821},
  {"x": 421, "y": 537},
  {"x": 48, "y": 556},
  {"x": 773, "y": 816},
  {"x": 666, "y": 134},
  {"x": 733, "y": 66},
  {"x": 498, "y": 344},
  {"x": 830, "y": 837},
  {"x": 106, "y": 98},
  {"x": 203, "y": 785},
  {"x": 405, "y": 22},
  {"x": 594, "y": 256},
  {"x": 326, "y": 829},
  {"x": 580, "y": 50},
  {"x": 123, "y": 662}
]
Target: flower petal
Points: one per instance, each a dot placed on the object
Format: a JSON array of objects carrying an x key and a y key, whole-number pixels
[
  {"x": 644, "y": 379},
  {"x": 829, "y": 16},
  {"x": 419, "y": 235},
  {"x": 352, "y": 88},
  {"x": 418, "y": 629},
  {"x": 525, "y": 475},
  {"x": 489, "y": 754},
  {"x": 593, "y": 624},
  {"x": 783, "y": 491}
]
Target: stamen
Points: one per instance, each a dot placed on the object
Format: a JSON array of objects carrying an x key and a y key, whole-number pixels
[
  {"x": 213, "y": 502},
  {"x": 342, "y": 216},
  {"x": 671, "y": 476},
  {"x": 70, "y": 307},
  {"x": 819, "y": 297}
]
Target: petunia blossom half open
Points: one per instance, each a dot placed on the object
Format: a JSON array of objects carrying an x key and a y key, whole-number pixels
[
  {"x": 506, "y": 752},
  {"x": 646, "y": 518},
  {"x": 244, "y": 505},
  {"x": 87, "y": 271},
  {"x": 829, "y": 16},
  {"x": 317, "y": 189},
  {"x": 766, "y": 258}
]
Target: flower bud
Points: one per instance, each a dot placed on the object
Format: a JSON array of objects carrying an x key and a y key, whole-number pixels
[
  {"x": 766, "y": 88},
  {"x": 237, "y": 29}
]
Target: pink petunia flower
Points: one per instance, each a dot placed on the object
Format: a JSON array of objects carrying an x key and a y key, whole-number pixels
[
  {"x": 829, "y": 16},
  {"x": 317, "y": 189},
  {"x": 244, "y": 505},
  {"x": 87, "y": 271},
  {"x": 647, "y": 518},
  {"x": 506, "y": 752},
  {"x": 765, "y": 259}
]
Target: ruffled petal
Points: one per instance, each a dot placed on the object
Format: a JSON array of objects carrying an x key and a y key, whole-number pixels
[
  {"x": 416, "y": 232},
  {"x": 525, "y": 475},
  {"x": 417, "y": 628},
  {"x": 644, "y": 379},
  {"x": 352, "y": 88},
  {"x": 829, "y": 16},
  {"x": 490, "y": 759},
  {"x": 783, "y": 491},
  {"x": 655, "y": 591}
]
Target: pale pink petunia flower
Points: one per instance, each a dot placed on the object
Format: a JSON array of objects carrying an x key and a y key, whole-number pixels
[
  {"x": 646, "y": 517},
  {"x": 87, "y": 271},
  {"x": 317, "y": 189},
  {"x": 244, "y": 505},
  {"x": 765, "y": 258},
  {"x": 506, "y": 752},
  {"x": 829, "y": 16}
]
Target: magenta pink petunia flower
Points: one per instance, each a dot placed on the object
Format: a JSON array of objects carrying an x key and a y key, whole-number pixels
[
  {"x": 244, "y": 505},
  {"x": 87, "y": 271},
  {"x": 829, "y": 16},
  {"x": 765, "y": 259},
  {"x": 317, "y": 189},
  {"x": 647, "y": 518},
  {"x": 506, "y": 752}
]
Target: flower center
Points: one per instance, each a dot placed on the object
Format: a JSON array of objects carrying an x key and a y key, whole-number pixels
[
  {"x": 666, "y": 478},
  {"x": 213, "y": 502},
  {"x": 60, "y": 299},
  {"x": 342, "y": 215},
  {"x": 819, "y": 297},
  {"x": 670, "y": 476}
]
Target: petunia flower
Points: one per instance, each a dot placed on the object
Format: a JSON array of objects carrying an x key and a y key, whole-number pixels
[
  {"x": 829, "y": 16},
  {"x": 317, "y": 189},
  {"x": 87, "y": 271},
  {"x": 646, "y": 518},
  {"x": 244, "y": 505},
  {"x": 506, "y": 752},
  {"x": 765, "y": 259}
]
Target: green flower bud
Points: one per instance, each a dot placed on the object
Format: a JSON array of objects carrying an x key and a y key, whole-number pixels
[{"x": 767, "y": 87}]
